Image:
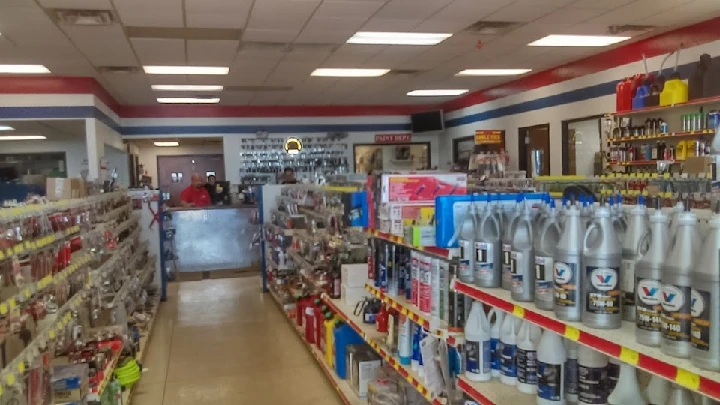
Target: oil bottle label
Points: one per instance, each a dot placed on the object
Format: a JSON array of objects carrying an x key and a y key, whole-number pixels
[
  {"x": 477, "y": 357},
  {"x": 700, "y": 311},
  {"x": 507, "y": 360},
  {"x": 517, "y": 277},
  {"x": 544, "y": 278},
  {"x": 571, "y": 377},
  {"x": 649, "y": 304},
  {"x": 676, "y": 317},
  {"x": 484, "y": 261},
  {"x": 613, "y": 374},
  {"x": 495, "y": 348},
  {"x": 506, "y": 257},
  {"x": 527, "y": 366},
  {"x": 566, "y": 289},
  {"x": 603, "y": 295},
  {"x": 627, "y": 281},
  {"x": 466, "y": 252},
  {"x": 549, "y": 381},
  {"x": 591, "y": 385}
]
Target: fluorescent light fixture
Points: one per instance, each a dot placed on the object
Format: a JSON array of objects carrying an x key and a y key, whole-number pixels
[
  {"x": 437, "y": 93},
  {"x": 186, "y": 70},
  {"x": 167, "y": 143},
  {"x": 21, "y": 137},
  {"x": 492, "y": 72},
  {"x": 349, "y": 72},
  {"x": 6, "y": 128},
  {"x": 186, "y": 87},
  {"x": 397, "y": 38},
  {"x": 188, "y": 100},
  {"x": 577, "y": 40},
  {"x": 24, "y": 69}
]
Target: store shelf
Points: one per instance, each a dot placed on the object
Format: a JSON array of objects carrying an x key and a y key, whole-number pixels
[
  {"x": 642, "y": 162},
  {"x": 31, "y": 246},
  {"x": 343, "y": 388},
  {"x": 144, "y": 343},
  {"x": 447, "y": 254},
  {"x": 662, "y": 136},
  {"x": 406, "y": 308},
  {"x": 372, "y": 337},
  {"x": 617, "y": 343},
  {"x": 699, "y": 101},
  {"x": 109, "y": 370},
  {"x": 494, "y": 392}
]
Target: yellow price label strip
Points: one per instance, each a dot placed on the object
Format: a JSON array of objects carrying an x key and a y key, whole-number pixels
[
  {"x": 3, "y": 308},
  {"x": 10, "y": 379},
  {"x": 572, "y": 333},
  {"x": 687, "y": 379},
  {"x": 12, "y": 303},
  {"x": 17, "y": 249},
  {"x": 518, "y": 311},
  {"x": 21, "y": 367},
  {"x": 27, "y": 293},
  {"x": 629, "y": 356},
  {"x": 51, "y": 334}
]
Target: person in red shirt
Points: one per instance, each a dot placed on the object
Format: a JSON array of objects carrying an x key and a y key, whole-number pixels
[{"x": 196, "y": 194}]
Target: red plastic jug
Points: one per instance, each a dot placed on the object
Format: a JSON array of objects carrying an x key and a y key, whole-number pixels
[
  {"x": 623, "y": 95},
  {"x": 381, "y": 320},
  {"x": 309, "y": 324}
]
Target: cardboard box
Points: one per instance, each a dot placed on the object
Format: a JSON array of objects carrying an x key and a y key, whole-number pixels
[
  {"x": 421, "y": 187},
  {"x": 698, "y": 164},
  {"x": 352, "y": 295},
  {"x": 421, "y": 235},
  {"x": 354, "y": 275},
  {"x": 65, "y": 189},
  {"x": 70, "y": 383}
]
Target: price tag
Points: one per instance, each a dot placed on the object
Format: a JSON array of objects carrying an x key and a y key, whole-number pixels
[
  {"x": 666, "y": 175},
  {"x": 10, "y": 379},
  {"x": 572, "y": 333},
  {"x": 12, "y": 304},
  {"x": 687, "y": 379},
  {"x": 27, "y": 293},
  {"x": 629, "y": 356},
  {"x": 3, "y": 308},
  {"x": 21, "y": 367},
  {"x": 518, "y": 311}
]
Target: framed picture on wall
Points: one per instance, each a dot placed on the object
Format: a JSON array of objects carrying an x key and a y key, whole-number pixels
[{"x": 463, "y": 148}]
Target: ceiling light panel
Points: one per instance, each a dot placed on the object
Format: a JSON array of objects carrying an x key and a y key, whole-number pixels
[
  {"x": 324, "y": 72},
  {"x": 437, "y": 92},
  {"x": 24, "y": 69},
  {"x": 166, "y": 143},
  {"x": 186, "y": 87},
  {"x": 186, "y": 70},
  {"x": 397, "y": 38},
  {"x": 493, "y": 72},
  {"x": 577, "y": 40},
  {"x": 188, "y": 100},
  {"x": 22, "y": 137}
]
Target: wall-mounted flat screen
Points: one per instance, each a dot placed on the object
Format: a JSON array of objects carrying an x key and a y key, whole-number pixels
[{"x": 430, "y": 121}]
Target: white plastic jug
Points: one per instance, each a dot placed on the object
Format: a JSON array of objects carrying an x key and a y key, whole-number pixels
[
  {"x": 477, "y": 345},
  {"x": 526, "y": 361},
  {"x": 508, "y": 355},
  {"x": 626, "y": 391},
  {"x": 496, "y": 316},
  {"x": 551, "y": 370}
]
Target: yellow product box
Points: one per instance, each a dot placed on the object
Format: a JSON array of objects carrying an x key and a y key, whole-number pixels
[{"x": 420, "y": 235}]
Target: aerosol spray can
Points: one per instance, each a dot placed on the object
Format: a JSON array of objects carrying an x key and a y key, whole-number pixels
[
  {"x": 393, "y": 286},
  {"x": 568, "y": 276},
  {"x": 435, "y": 289},
  {"x": 705, "y": 301},
  {"x": 637, "y": 228},
  {"x": 383, "y": 258},
  {"x": 415, "y": 274},
  {"x": 602, "y": 258},
  {"x": 676, "y": 316},
  {"x": 648, "y": 287}
]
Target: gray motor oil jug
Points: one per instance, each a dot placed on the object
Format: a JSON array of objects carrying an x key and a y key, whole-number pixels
[
  {"x": 648, "y": 274},
  {"x": 679, "y": 396},
  {"x": 545, "y": 246},
  {"x": 602, "y": 258},
  {"x": 587, "y": 210},
  {"x": 511, "y": 215},
  {"x": 522, "y": 259},
  {"x": 705, "y": 301},
  {"x": 466, "y": 241},
  {"x": 567, "y": 276},
  {"x": 562, "y": 211},
  {"x": 488, "y": 264},
  {"x": 637, "y": 228},
  {"x": 618, "y": 218},
  {"x": 676, "y": 320},
  {"x": 676, "y": 211}
]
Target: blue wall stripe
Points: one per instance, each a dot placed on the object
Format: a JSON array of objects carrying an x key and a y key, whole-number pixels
[{"x": 77, "y": 112}]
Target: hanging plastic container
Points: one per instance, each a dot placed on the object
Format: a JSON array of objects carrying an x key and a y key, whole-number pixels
[
  {"x": 705, "y": 301},
  {"x": 522, "y": 259},
  {"x": 676, "y": 285},
  {"x": 568, "y": 277},
  {"x": 602, "y": 258},
  {"x": 637, "y": 229},
  {"x": 627, "y": 390},
  {"x": 478, "y": 353},
  {"x": 551, "y": 369},
  {"x": 545, "y": 247},
  {"x": 488, "y": 262}
]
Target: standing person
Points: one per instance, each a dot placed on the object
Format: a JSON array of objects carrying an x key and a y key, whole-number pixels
[
  {"x": 289, "y": 176},
  {"x": 212, "y": 189},
  {"x": 195, "y": 195}
]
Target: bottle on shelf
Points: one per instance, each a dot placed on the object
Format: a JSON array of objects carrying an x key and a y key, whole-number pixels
[
  {"x": 571, "y": 371},
  {"x": 478, "y": 353},
  {"x": 488, "y": 265},
  {"x": 551, "y": 370},
  {"x": 508, "y": 354},
  {"x": 522, "y": 259},
  {"x": 496, "y": 316},
  {"x": 466, "y": 241},
  {"x": 592, "y": 376},
  {"x": 627, "y": 390},
  {"x": 636, "y": 230},
  {"x": 656, "y": 391},
  {"x": 526, "y": 361},
  {"x": 679, "y": 396},
  {"x": 545, "y": 247},
  {"x": 511, "y": 214},
  {"x": 568, "y": 277}
]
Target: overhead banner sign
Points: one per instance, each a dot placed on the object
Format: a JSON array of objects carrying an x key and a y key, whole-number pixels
[
  {"x": 486, "y": 137},
  {"x": 393, "y": 138}
]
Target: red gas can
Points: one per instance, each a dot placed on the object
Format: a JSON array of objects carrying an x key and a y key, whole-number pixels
[
  {"x": 623, "y": 95},
  {"x": 310, "y": 324}
]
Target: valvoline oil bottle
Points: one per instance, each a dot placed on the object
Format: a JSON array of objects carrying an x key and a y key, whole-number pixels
[
  {"x": 522, "y": 259},
  {"x": 568, "y": 275},
  {"x": 511, "y": 215},
  {"x": 488, "y": 266},
  {"x": 544, "y": 247}
]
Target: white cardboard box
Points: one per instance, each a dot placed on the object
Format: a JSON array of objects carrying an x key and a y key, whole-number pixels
[
  {"x": 354, "y": 275},
  {"x": 352, "y": 295}
]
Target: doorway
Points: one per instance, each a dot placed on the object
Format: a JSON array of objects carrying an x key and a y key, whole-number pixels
[
  {"x": 581, "y": 146},
  {"x": 530, "y": 139},
  {"x": 174, "y": 172}
]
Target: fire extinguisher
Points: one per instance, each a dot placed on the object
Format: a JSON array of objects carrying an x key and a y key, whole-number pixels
[{"x": 381, "y": 320}]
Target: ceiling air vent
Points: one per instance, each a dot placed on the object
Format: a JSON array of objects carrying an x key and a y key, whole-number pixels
[
  {"x": 258, "y": 88},
  {"x": 119, "y": 69},
  {"x": 84, "y": 17},
  {"x": 404, "y": 72},
  {"x": 621, "y": 29},
  {"x": 492, "y": 27}
]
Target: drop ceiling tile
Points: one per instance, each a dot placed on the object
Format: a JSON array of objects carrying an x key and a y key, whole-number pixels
[
  {"x": 348, "y": 9},
  {"x": 640, "y": 9},
  {"x": 270, "y": 35},
  {"x": 411, "y": 9},
  {"x": 468, "y": 11},
  {"x": 236, "y": 97},
  {"x": 155, "y": 13},
  {"x": 675, "y": 17},
  {"x": 600, "y": 5},
  {"x": 382, "y": 24},
  {"x": 322, "y": 37},
  {"x": 217, "y": 6},
  {"x": 103, "y": 46},
  {"x": 153, "y": 51},
  {"x": 349, "y": 25},
  {"x": 166, "y": 79},
  {"x": 569, "y": 16},
  {"x": 520, "y": 13},
  {"x": 281, "y": 14},
  {"x": 211, "y": 53},
  {"x": 249, "y": 73},
  {"x": 260, "y": 54},
  {"x": 216, "y": 20},
  {"x": 77, "y": 4},
  {"x": 268, "y": 98},
  {"x": 433, "y": 25}
]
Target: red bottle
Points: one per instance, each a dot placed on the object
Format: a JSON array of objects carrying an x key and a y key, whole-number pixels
[
  {"x": 310, "y": 324},
  {"x": 300, "y": 310},
  {"x": 623, "y": 95},
  {"x": 319, "y": 317},
  {"x": 381, "y": 320}
]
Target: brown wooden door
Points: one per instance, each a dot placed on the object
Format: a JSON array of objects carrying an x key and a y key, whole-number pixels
[
  {"x": 534, "y": 138},
  {"x": 186, "y": 165},
  {"x": 572, "y": 161}
]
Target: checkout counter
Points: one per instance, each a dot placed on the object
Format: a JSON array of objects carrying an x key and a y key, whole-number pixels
[{"x": 215, "y": 238}]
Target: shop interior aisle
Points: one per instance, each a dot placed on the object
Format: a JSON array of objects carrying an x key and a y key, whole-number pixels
[{"x": 223, "y": 342}]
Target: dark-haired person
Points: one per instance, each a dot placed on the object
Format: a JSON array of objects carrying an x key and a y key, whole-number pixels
[
  {"x": 289, "y": 176},
  {"x": 212, "y": 189}
]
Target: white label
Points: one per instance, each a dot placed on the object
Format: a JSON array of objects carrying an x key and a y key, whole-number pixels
[
  {"x": 627, "y": 275},
  {"x": 484, "y": 260}
]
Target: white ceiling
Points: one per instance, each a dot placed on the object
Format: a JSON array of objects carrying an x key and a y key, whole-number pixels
[{"x": 317, "y": 30}]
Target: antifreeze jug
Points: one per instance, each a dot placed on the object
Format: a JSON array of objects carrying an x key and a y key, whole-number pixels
[
  {"x": 705, "y": 301},
  {"x": 602, "y": 258},
  {"x": 551, "y": 369},
  {"x": 545, "y": 247},
  {"x": 637, "y": 228},
  {"x": 592, "y": 374},
  {"x": 496, "y": 316},
  {"x": 511, "y": 214},
  {"x": 488, "y": 264},
  {"x": 627, "y": 390},
  {"x": 466, "y": 241},
  {"x": 508, "y": 351},
  {"x": 526, "y": 361},
  {"x": 648, "y": 274},
  {"x": 656, "y": 391},
  {"x": 478, "y": 354},
  {"x": 679, "y": 396},
  {"x": 568, "y": 276},
  {"x": 522, "y": 259},
  {"x": 676, "y": 316}
]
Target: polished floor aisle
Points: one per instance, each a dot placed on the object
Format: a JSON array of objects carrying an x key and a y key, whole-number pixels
[{"x": 222, "y": 342}]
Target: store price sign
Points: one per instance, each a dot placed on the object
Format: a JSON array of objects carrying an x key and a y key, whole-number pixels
[
  {"x": 485, "y": 137},
  {"x": 393, "y": 138}
]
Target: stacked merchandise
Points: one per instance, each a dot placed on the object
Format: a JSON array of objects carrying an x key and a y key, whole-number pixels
[{"x": 75, "y": 276}]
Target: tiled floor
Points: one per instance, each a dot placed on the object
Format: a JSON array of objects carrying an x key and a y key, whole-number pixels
[{"x": 223, "y": 342}]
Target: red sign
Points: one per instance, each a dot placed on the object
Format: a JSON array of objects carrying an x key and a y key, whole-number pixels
[{"x": 393, "y": 138}]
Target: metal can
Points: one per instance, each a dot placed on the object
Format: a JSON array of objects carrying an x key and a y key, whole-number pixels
[
  {"x": 685, "y": 123},
  {"x": 713, "y": 119},
  {"x": 699, "y": 126}
]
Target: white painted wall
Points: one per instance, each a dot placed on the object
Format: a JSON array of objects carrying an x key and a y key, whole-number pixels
[
  {"x": 117, "y": 159},
  {"x": 148, "y": 156},
  {"x": 556, "y": 115},
  {"x": 587, "y": 143}
]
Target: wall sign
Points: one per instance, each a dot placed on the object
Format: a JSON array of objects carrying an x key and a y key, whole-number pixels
[
  {"x": 293, "y": 146},
  {"x": 393, "y": 138},
  {"x": 489, "y": 137}
]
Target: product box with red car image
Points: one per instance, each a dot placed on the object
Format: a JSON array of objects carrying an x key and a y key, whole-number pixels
[{"x": 421, "y": 187}]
